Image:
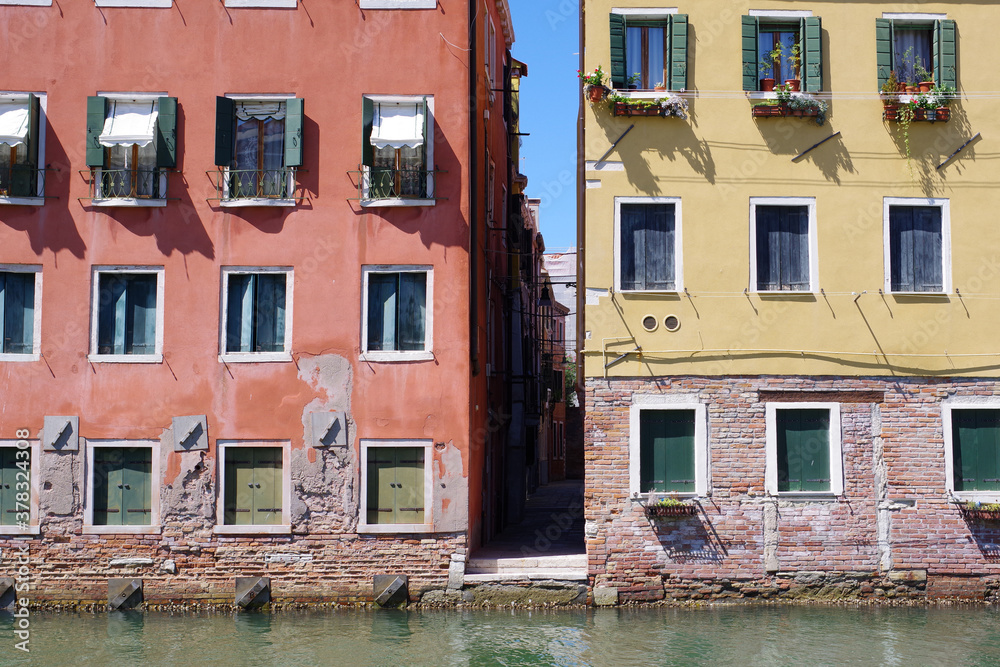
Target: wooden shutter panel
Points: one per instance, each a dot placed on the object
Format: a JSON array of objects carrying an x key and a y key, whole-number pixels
[
  {"x": 945, "y": 54},
  {"x": 108, "y": 486},
  {"x": 267, "y": 486},
  {"x": 97, "y": 110},
  {"x": 294, "y": 117},
  {"x": 24, "y": 178},
  {"x": 883, "y": 50},
  {"x": 136, "y": 486},
  {"x": 814, "y": 448},
  {"x": 367, "y": 121},
  {"x": 751, "y": 81},
  {"x": 428, "y": 139},
  {"x": 166, "y": 132},
  {"x": 17, "y": 292},
  {"x": 239, "y": 486},
  {"x": 381, "y": 485},
  {"x": 8, "y": 486},
  {"x": 927, "y": 253},
  {"x": 617, "y": 29},
  {"x": 225, "y": 112},
  {"x": 812, "y": 54},
  {"x": 408, "y": 501},
  {"x": 678, "y": 51}
]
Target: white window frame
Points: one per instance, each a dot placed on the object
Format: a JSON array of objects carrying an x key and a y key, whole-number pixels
[
  {"x": 659, "y": 403},
  {"x": 154, "y": 527},
  {"x": 398, "y": 355},
  {"x": 914, "y": 17},
  {"x": 285, "y": 527},
  {"x": 428, "y": 142},
  {"x": 836, "y": 450},
  {"x": 398, "y": 4},
  {"x": 945, "y": 206},
  {"x": 947, "y": 407},
  {"x": 15, "y": 96},
  {"x": 155, "y": 4},
  {"x": 678, "y": 242},
  {"x": 428, "y": 525},
  {"x": 813, "y": 242},
  {"x": 27, "y": 3},
  {"x": 95, "y": 305},
  {"x": 263, "y": 97},
  {"x": 36, "y": 332},
  {"x": 263, "y": 4},
  {"x": 255, "y": 357},
  {"x": 33, "y": 527},
  {"x": 131, "y": 202}
]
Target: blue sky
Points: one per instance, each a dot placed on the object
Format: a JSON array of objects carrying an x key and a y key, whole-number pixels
[{"x": 547, "y": 39}]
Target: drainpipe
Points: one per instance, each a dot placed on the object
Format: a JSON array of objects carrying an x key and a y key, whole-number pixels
[
  {"x": 473, "y": 199},
  {"x": 581, "y": 216}
]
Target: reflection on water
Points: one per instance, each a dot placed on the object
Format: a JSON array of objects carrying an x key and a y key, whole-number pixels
[{"x": 736, "y": 635}]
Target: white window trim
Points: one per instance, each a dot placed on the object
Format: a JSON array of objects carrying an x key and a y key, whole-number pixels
[
  {"x": 398, "y": 4},
  {"x": 911, "y": 16},
  {"x": 285, "y": 527},
  {"x": 27, "y": 3},
  {"x": 813, "y": 242},
  {"x": 947, "y": 407},
  {"x": 14, "y": 96},
  {"x": 36, "y": 336},
  {"x": 33, "y": 527},
  {"x": 131, "y": 202},
  {"x": 428, "y": 525},
  {"x": 154, "y": 526},
  {"x": 428, "y": 141},
  {"x": 398, "y": 355},
  {"x": 95, "y": 304},
  {"x": 262, "y": 97},
  {"x": 678, "y": 242},
  {"x": 264, "y": 4},
  {"x": 165, "y": 4},
  {"x": 771, "y": 450},
  {"x": 256, "y": 357},
  {"x": 945, "y": 206},
  {"x": 781, "y": 13},
  {"x": 640, "y": 402},
  {"x": 644, "y": 13}
]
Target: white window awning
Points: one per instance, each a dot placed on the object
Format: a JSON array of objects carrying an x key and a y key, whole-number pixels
[
  {"x": 260, "y": 110},
  {"x": 395, "y": 125},
  {"x": 13, "y": 123},
  {"x": 129, "y": 123}
]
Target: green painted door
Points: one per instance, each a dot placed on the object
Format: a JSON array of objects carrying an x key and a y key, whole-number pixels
[
  {"x": 266, "y": 485},
  {"x": 137, "y": 468},
  {"x": 803, "y": 443},
  {"x": 409, "y": 492},
  {"x": 666, "y": 443}
]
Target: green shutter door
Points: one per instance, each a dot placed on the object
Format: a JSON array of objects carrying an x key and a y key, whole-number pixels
[
  {"x": 225, "y": 128},
  {"x": 678, "y": 51},
  {"x": 381, "y": 485},
  {"x": 666, "y": 444},
  {"x": 166, "y": 132},
  {"x": 108, "y": 486},
  {"x": 883, "y": 50},
  {"x": 267, "y": 486},
  {"x": 409, "y": 491},
  {"x": 136, "y": 486},
  {"x": 964, "y": 450},
  {"x": 803, "y": 440},
  {"x": 96, "y": 112},
  {"x": 617, "y": 22},
  {"x": 751, "y": 79},
  {"x": 812, "y": 54},
  {"x": 945, "y": 54},
  {"x": 978, "y": 444},
  {"x": 239, "y": 486},
  {"x": 8, "y": 486},
  {"x": 294, "y": 117}
]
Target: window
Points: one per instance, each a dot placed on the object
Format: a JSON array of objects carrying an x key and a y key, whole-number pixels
[
  {"x": 397, "y": 321},
  {"x": 397, "y": 151},
  {"x": 917, "y": 245},
  {"x": 123, "y": 491},
  {"x": 20, "y": 142},
  {"x": 803, "y": 448},
  {"x": 651, "y": 44},
  {"x": 914, "y": 45},
  {"x": 783, "y": 244},
  {"x": 972, "y": 449},
  {"x": 648, "y": 242},
  {"x": 668, "y": 446},
  {"x": 258, "y": 143},
  {"x": 396, "y": 486},
  {"x": 131, "y": 143},
  {"x": 255, "y": 483},
  {"x": 795, "y": 37},
  {"x": 257, "y": 322},
  {"x": 20, "y": 309},
  {"x": 127, "y": 317},
  {"x": 19, "y": 487}
]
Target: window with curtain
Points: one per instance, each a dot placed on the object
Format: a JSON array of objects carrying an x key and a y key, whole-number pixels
[
  {"x": 916, "y": 249},
  {"x": 782, "y": 38},
  {"x": 255, "y": 312},
  {"x": 782, "y": 248},
  {"x": 646, "y": 44},
  {"x": 17, "y": 312},
  {"x": 129, "y": 141},
  {"x": 260, "y": 150},
  {"x": 647, "y": 247},
  {"x": 912, "y": 49},
  {"x": 396, "y": 315},
  {"x": 397, "y": 139},
  {"x": 126, "y": 313}
]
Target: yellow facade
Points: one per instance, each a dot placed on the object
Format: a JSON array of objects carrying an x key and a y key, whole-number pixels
[{"x": 719, "y": 159}]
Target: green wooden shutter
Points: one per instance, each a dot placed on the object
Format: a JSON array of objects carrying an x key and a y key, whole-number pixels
[
  {"x": 166, "y": 132},
  {"x": 789, "y": 460},
  {"x": 381, "y": 485},
  {"x": 666, "y": 457},
  {"x": 815, "y": 449},
  {"x": 428, "y": 139},
  {"x": 409, "y": 492},
  {"x": 137, "y": 486},
  {"x": 618, "y": 75},
  {"x": 8, "y": 486},
  {"x": 225, "y": 113},
  {"x": 812, "y": 54},
  {"x": 751, "y": 79},
  {"x": 883, "y": 50},
  {"x": 96, "y": 112},
  {"x": 108, "y": 486},
  {"x": 945, "y": 54},
  {"x": 367, "y": 121},
  {"x": 239, "y": 491},
  {"x": 17, "y": 310},
  {"x": 976, "y": 449},
  {"x": 678, "y": 51},
  {"x": 267, "y": 486},
  {"x": 24, "y": 178},
  {"x": 294, "y": 117}
]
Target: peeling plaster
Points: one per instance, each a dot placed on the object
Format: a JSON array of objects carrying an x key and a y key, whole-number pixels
[{"x": 451, "y": 490}]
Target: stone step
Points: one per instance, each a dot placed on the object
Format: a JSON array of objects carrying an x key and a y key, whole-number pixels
[
  {"x": 561, "y": 574},
  {"x": 488, "y": 564}
]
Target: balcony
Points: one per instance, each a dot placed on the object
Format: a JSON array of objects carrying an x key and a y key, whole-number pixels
[
  {"x": 22, "y": 184},
  {"x": 127, "y": 187},
  {"x": 382, "y": 186},
  {"x": 255, "y": 187}
]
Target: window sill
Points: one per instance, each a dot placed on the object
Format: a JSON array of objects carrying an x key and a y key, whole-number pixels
[
  {"x": 255, "y": 357},
  {"x": 416, "y": 355},
  {"x": 647, "y": 94},
  {"x": 129, "y": 202},
  {"x": 918, "y": 294},
  {"x": 808, "y": 496},
  {"x": 396, "y": 528},
  {"x": 27, "y": 3},
  {"x": 671, "y": 290},
  {"x": 20, "y": 357},
  {"x": 125, "y": 358},
  {"x": 257, "y": 201},
  {"x": 22, "y": 201},
  {"x": 977, "y": 496},
  {"x": 263, "y": 4},
  {"x": 398, "y": 4},
  {"x": 14, "y": 530},
  {"x": 386, "y": 203},
  {"x": 122, "y": 530},
  {"x": 161, "y": 4},
  {"x": 279, "y": 529}
]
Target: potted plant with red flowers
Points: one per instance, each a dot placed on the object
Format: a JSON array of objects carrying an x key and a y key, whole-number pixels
[{"x": 593, "y": 84}]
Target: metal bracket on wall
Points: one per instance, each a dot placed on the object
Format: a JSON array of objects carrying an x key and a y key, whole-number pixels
[
  {"x": 958, "y": 150},
  {"x": 601, "y": 159},
  {"x": 253, "y": 592},
  {"x": 816, "y": 145},
  {"x": 124, "y": 594},
  {"x": 61, "y": 434}
]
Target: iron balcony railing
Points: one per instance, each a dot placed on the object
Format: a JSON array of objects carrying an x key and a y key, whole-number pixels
[
  {"x": 379, "y": 183},
  {"x": 22, "y": 180},
  {"x": 235, "y": 184},
  {"x": 128, "y": 184}
]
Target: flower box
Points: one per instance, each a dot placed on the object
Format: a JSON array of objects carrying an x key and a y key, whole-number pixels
[
  {"x": 980, "y": 514},
  {"x": 656, "y": 511},
  {"x": 781, "y": 110},
  {"x": 892, "y": 112},
  {"x": 633, "y": 109}
]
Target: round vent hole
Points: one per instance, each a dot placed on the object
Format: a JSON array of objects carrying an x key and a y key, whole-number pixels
[
  {"x": 649, "y": 323},
  {"x": 672, "y": 323}
]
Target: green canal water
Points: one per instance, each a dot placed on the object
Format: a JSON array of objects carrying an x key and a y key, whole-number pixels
[{"x": 704, "y": 636}]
